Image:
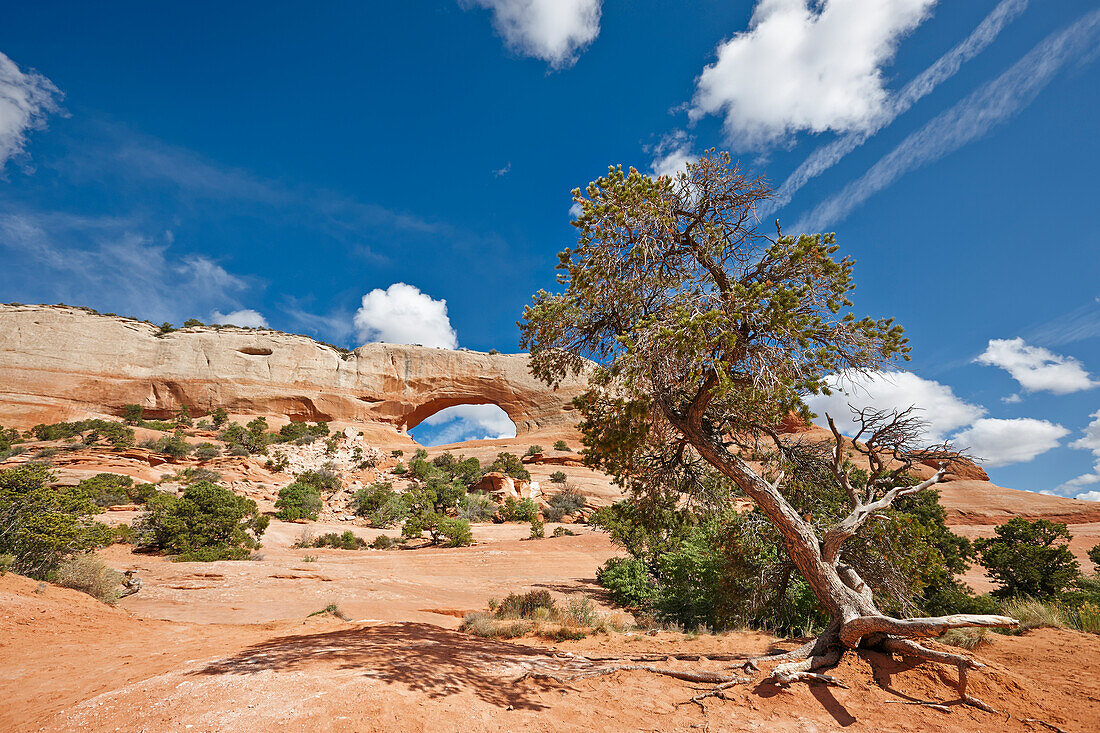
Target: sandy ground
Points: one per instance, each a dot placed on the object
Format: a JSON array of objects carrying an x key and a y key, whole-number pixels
[{"x": 75, "y": 665}]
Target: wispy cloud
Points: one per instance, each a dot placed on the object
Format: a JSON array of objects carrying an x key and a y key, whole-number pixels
[
  {"x": 967, "y": 121},
  {"x": 26, "y": 99},
  {"x": 111, "y": 264},
  {"x": 944, "y": 68},
  {"x": 1077, "y": 325}
]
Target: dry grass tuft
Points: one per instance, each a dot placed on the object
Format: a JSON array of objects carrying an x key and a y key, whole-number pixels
[
  {"x": 88, "y": 574},
  {"x": 536, "y": 612}
]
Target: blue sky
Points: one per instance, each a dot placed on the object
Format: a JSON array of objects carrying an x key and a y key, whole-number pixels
[{"x": 339, "y": 171}]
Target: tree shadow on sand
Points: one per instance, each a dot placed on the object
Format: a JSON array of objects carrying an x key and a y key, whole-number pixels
[{"x": 424, "y": 658}]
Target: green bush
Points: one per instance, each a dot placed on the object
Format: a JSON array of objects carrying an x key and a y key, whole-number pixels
[
  {"x": 538, "y": 530},
  {"x": 383, "y": 542},
  {"x": 399, "y": 469},
  {"x": 300, "y": 432},
  {"x": 397, "y": 453},
  {"x": 7, "y": 561},
  {"x": 533, "y": 450},
  {"x": 173, "y": 445},
  {"x": 563, "y": 532},
  {"x": 524, "y": 510},
  {"x": 569, "y": 501},
  {"x": 219, "y": 417},
  {"x": 561, "y": 445},
  {"x": 509, "y": 465},
  {"x": 88, "y": 574},
  {"x": 40, "y": 525},
  {"x": 298, "y": 501},
  {"x": 370, "y": 498},
  {"x": 390, "y": 513},
  {"x": 183, "y": 416},
  {"x": 477, "y": 508},
  {"x": 628, "y": 581},
  {"x": 525, "y": 605},
  {"x": 208, "y": 522},
  {"x": 348, "y": 540},
  {"x": 455, "y": 532},
  {"x": 117, "y": 434},
  {"x": 323, "y": 479},
  {"x": 109, "y": 489},
  {"x": 1094, "y": 557},
  {"x": 132, "y": 414},
  {"x": 1029, "y": 559},
  {"x": 206, "y": 451},
  {"x": 558, "y": 477}
]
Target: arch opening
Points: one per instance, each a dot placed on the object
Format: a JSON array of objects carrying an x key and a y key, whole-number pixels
[{"x": 456, "y": 423}]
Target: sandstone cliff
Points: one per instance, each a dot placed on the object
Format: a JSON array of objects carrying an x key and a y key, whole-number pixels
[{"x": 62, "y": 363}]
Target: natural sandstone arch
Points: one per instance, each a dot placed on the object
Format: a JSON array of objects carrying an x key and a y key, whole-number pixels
[{"x": 64, "y": 363}]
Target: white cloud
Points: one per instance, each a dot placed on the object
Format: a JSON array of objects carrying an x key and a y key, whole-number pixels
[
  {"x": 941, "y": 70},
  {"x": 937, "y": 404},
  {"x": 1089, "y": 496},
  {"x": 26, "y": 98},
  {"x": 469, "y": 422},
  {"x": 555, "y": 31},
  {"x": 964, "y": 123},
  {"x": 1012, "y": 399},
  {"x": 1090, "y": 441},
  {"x": 1037, "y": 369},
  {"x": 672, "y": 154},
  {"x": 245, "y": 317},
  {"x": 805, "y": 65},
  {"x": 1002, "y": 442},
  {"x": 401, "y": 314}
]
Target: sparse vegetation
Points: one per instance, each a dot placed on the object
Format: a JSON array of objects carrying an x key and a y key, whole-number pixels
[
  {"x": 538, "y": 530},
  {"x": 206, "y": 451},
  {"x": 533, "y": 450},
  {"x": 568, "y": 501},
  {"x": 208, "y": 522},
  {"x": 509, "y": 465},
  {"x": 87, "y": 574},
  {"x": 558, "y": 477},
  {"x": 537, "y": 612},
  {"x": 524, "y": 510},
  {"x": 347, "y": 540},
  {"x": 383, "y": 542},
  {"x": 561, "y": 445}
]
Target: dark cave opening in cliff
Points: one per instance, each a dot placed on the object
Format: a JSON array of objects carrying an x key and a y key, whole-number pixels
[{"x": 459, "y": 423}]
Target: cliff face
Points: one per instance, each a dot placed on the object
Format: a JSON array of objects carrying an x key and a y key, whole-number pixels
[{"x": 61, "y": 363}]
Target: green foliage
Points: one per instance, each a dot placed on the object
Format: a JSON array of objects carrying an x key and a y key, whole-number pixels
[
  {"x": 561, "y": 445},
  {"x": 192, "y": 323},
  {"x": 370, "y": 498},
  {"x": 563, "y": 532},
  {"x": 174, "y": 445},
  {"x": 1029, "y": 559},
  {"x": 400, "y": 469},
  {"x": 117, "y": 434},
  {"x": 183, "y": 416},
  {"x": 1094, "y": 556},
  {"x": 44, "y": 525},
  {"x": 348, "y": 540},
  {"x": 629, "y": 582},
  {"x": 324, "y": 480},
  {"x": 525, "y": 605},
  {"x": 397, "y": 453},
  {"x": 454, "y": 532},
  {"x": 558, "y": 477},
  {"x": 132, "y": 414},
  {"x": 533, "y": 450},
  {"x": 109, "y": 489},
  {"x": 300, "y": 432},
  {"x": 206, "y": 523},
  {"x": 219, "y": 417},
  {"x": 524, "y": 510},
  {"x": 206, "y": 451},
  {"x": 509, "y": 465},
  {"x": 383, "y": 542},
  {"x": 569, "y": 501},
  {"x": 390, "y": 513},
  {"x": 477, "y": 508},
  {"x": 421, "y": 454},
  {"x": 298, "y": 501},
  {"x": 166, "y": 328},
  {"x": 538, "y": 530},
  {"x": 252, "y": 438}
]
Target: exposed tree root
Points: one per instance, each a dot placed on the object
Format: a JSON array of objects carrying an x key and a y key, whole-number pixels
[
  {"x": 853, "y": 631},
  {"x": 707, "y": 677}
]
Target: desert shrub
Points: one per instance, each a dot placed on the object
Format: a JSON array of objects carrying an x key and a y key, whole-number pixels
[
  {"x": 569, "y": 501},
  {"x": 277, "y": 463},
  {"x": 7, "y": 560},
  {"x": 534, "y": 450},
  {"x": 390, "y": 513},
  {"x": 347, "y": 540},
  {"x": 173, "y": 445},
  {"x": 563, "y": 532},
  {"x": 1029, "y": 559},
  {"x": 558, "y": 477},
  {"x": 420, "y": 454},
  {"x": 454, "y": 533},
  {"x": 238, "y": 450},
  {"x": 192, "y": 475},
  {"x": 246, "y": 440},
  {"x": 109, "y": 489},
  {"x": 207, "y": 522},
  {"x": 132, "y": 414},
  {"x": 561, "y": 445},
  {"x": 219, "y": 417},
  {"x": 40, "y": 525},
  {"x": 397, "y": 453},
  {"x": 87, "y": 574},
  {"x": 509, "y": 465},
  {"x": 123, "y": 534},
  {"x": 1033, "y": 613},
  {"x": 968, "y": 639},
  {"x": 183, "y": 416},
  {"x": 298, "y": 501},
  {"x": 477, "y": 508},
  {"x": 301, "y": 432},
  {"x": 485, "y": 625},
  {"x": 206, "y": 451},
  {"x": 524, "y": 510},
  {"x": 369, "y": 498},
  {"x": 117, "y": 434},
  {"x": 399, "y": 469},
  {"x": 323, "y": 479},
  {"x": 1094, "y": 557},
  {"x": 383, "y": 542},
  {"x": 524, "y": 605},
  {"x": 538, "y": 531},
  {"x": 628, "y": 581}
]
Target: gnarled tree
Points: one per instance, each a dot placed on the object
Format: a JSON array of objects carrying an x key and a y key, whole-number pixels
[{"x": 705, "y": 334}]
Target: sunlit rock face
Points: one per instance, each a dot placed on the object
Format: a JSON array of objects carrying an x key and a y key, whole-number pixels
[{"x": 62, "y": 363}]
